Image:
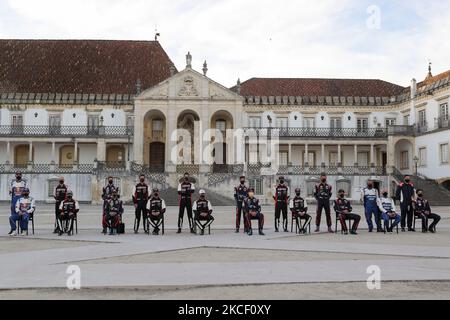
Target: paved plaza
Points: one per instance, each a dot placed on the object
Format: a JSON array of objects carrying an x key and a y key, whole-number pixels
[{"x": 223, "y": 265}]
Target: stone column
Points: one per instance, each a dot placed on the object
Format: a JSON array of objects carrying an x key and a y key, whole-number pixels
[
  {"x": 8, "y": 152},
  {"x": 322, "y": 155},
  {"x": 30, "y": 156},
  {"x": 101, "y": 150},
  {"x": 75, "y": 155},
  {"x": 53, "y": 161},
  {"x": 339, "y": 156},
  {"x": 290, "y": 155},
  {"x": 305, "y": 162}
]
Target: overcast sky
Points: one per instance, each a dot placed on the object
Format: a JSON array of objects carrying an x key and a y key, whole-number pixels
[{"x": 390, "y": 40}]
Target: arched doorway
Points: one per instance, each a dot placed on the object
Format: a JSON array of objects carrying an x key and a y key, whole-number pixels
[
  {"x": 221, "y": 121},
  {"x": 155, "y": 140},
  {"x": 186, "y": 136},
  {"x": 21, "y": 155}
]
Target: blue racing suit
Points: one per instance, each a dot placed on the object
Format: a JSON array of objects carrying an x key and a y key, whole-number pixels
[
  {"x": 369, "y": 197},
  {"x": 388, "y": 211},
  {"x": 16, "y": 193},
  {"x": 24, "y": 208}
]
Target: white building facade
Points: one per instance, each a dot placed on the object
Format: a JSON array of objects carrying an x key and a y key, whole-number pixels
[{"x": 124, "y": 116}]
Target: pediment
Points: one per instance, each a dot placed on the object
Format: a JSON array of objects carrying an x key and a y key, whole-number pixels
[{"x": 189, "y": 84}]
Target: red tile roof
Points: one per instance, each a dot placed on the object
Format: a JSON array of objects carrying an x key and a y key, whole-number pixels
[
  {"x": 319, "y": 87},
  {"x": 81, "y": 66},
  {"x": 434, "y": 79}
]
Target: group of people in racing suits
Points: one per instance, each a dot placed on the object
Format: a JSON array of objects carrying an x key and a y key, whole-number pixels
[
  {"x": 23, "y": 207},
  {"x": 150, "y": 208}
]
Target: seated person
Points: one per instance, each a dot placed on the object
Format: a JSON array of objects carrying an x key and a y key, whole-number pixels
[
  {"x": 388, "y": 211},
  {"x": 202, "y": 212},
  {"x": 113, "y": 212},
  {"x": 68, "y": 212},
  {"x": 156, "y": 207},
  {"x": 24, "y": 209},
  {"x": 252, "y": 210},
  {"x": 299, "y": 209},
  {"x": 423, "y": 210},
  {"x": 344, "y": 209}
]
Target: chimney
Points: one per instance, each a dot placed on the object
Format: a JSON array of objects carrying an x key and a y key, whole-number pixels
[
  {"x": 238, "y": 86},
  {"x": 413, "y": 88},
  {"x": 138, "y": 87}
]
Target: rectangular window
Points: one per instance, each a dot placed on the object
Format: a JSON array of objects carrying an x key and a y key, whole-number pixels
[
  {"x": 17, "y": 124},
  {"x": 257, "y": 185},
  {"x": 158, "y": 125},
  {"x": 51, "y": 187},
  {"x": 444, "y": 111},
  {"x": 282, "y": 122},
  {"x": 422, "y": 156},
  {"x": 54, "y": 123},
  {"x": 93, "y": 124},
  {"x": 283, "y": 158},
  {"x": 309, "y": 123},
  {"x": 336, "y": 123},
  {"x": 406, "y": 120},
  {"x": 255, "y": 122},
  {"x": 390, "y": 122},
  {"x": 130, "y": 121},
  {"x": 443, "y": 150},
  {"x": 404, "y": 160},
  {"x": 422, "y": 118},
  {"x": 221, "y": 125},
  {"x": 363, "y": 159},
  {"x": 363, "y": 124},
  {"x": 311, "y": 158}
]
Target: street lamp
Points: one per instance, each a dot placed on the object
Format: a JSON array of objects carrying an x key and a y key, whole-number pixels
[{"x": 416, "y": 162}]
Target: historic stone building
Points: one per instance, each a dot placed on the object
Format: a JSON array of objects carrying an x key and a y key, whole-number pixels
[{"x": 89, "y": 109}]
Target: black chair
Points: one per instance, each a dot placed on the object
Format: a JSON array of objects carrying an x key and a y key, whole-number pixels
[
  {"x": 195, "y": 227},
  {"x": 148, "y": 224},
  {"x": 30, "y": 219},
  {"x": 338, "y": 222},
  {"x": 297, "y": 224},
  {"x": 418, "y": 217},
  {"x": 390, "y": 224}
]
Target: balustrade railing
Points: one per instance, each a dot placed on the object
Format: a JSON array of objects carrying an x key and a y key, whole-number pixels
[{"x": 66, "y": 131}]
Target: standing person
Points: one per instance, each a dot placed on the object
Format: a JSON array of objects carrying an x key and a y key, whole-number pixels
[
  {"x": 240, "y": 193},
  {"x": 203, "y": 212},
  {"x": 107, "y": 193},
  {"x": 344, "y": 210},
  {"x": 281, "y": 198},
  {"x": 405, "y": 194},
  {"x": 252, "y": 210},
  {"x": 369, "y": 197},
  {"x": 60, "y": 194},
  {"x": 140, "y": 198},
  {"x": 323, "y": 193},
  {"x": 423, "y": 210},
  {"x": 185, "y": 191},
  {"x": 69, "y": 209},
  {"x": 16, "y": 189},
  {"x": 24, "y": 208},
  {"x": 156, "y": 207},
  {"x": 388, "y": 211},
  {"x": 113, "y": 212},
  {"x": 299, "y": 209}
]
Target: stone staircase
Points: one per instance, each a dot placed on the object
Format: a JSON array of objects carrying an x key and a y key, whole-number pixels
[
  {"x": 434, "y": 193},
  {"x": 170, "y": 196}
]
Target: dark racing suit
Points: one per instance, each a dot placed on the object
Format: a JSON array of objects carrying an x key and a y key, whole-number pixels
[
  {"x": 252, "y": 210},
  {"x": 156, "y": 207},
  {"x": 323, "y": 193},
  {"x": 60, "y": 195},
  {"x": 140, "y": 198},
  {"x": 343, "y": 209},
  {"x": 107, "y": 196},
  {"x": 281, "y": 198},
  {"x": 299, "y": 209},
  {"x": 185, "y": 191},
  {"x": 405, "y": 194},
  {"x": 203, "y": 213},
  {"x": 113, "y": 213},
  {"x": 423, "y": 210},
  {"x": 68, "y": 212},
  {"x": 240, "y": 193}
]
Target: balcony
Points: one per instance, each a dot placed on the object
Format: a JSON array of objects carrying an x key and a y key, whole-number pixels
[
  {"x": 326, "y": 133},
  {"x": 298, "y": 170},
  {"x": 66, "y": 131}
]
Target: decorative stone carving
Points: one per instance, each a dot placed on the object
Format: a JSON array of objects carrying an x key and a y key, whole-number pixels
[{"x": 189, "y": 88}]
